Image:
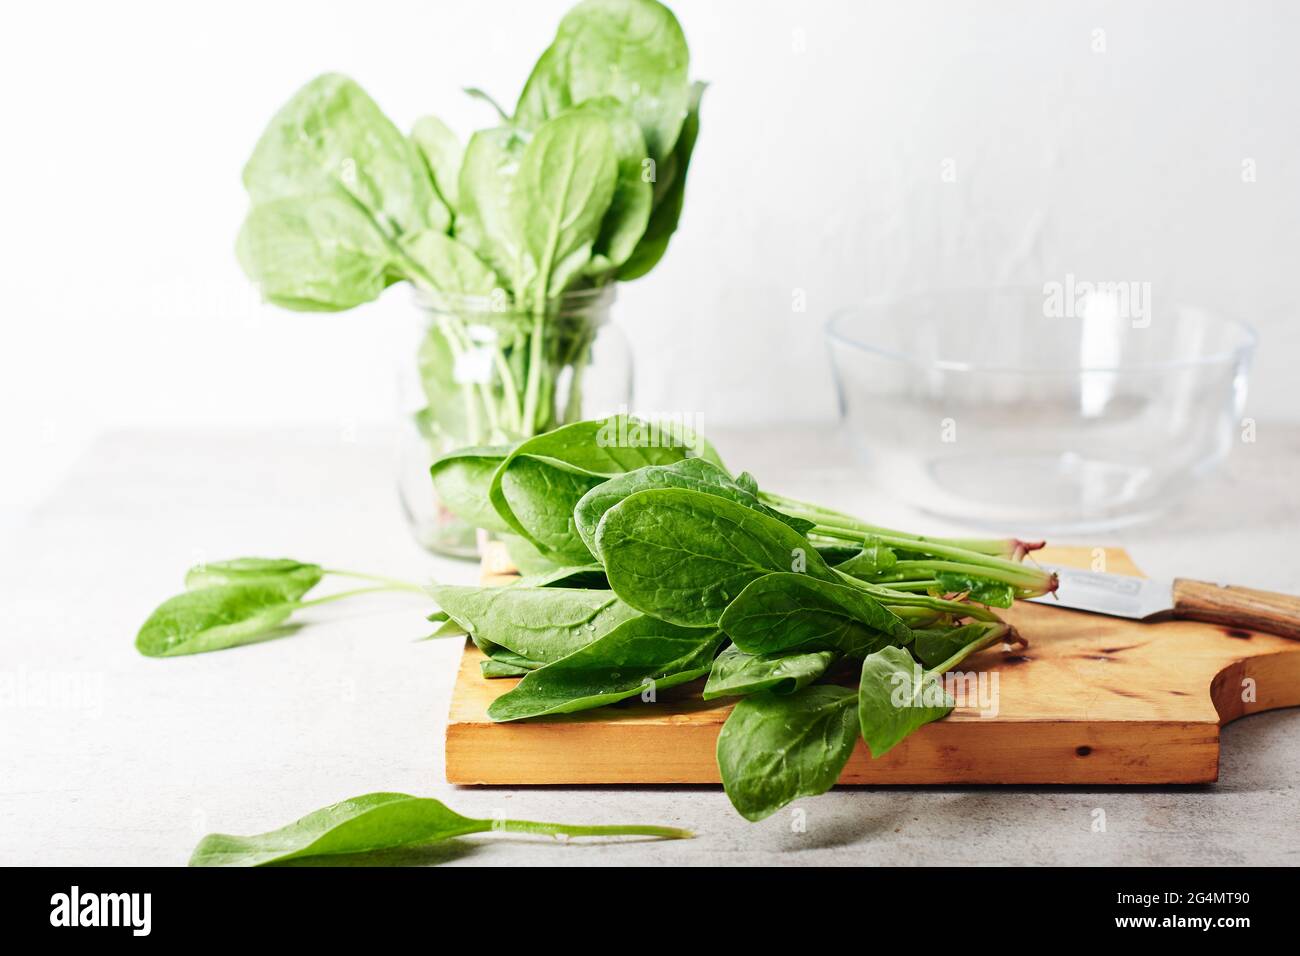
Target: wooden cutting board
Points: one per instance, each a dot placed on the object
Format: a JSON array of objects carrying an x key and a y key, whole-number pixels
[{"x": 1091, "y": 700}]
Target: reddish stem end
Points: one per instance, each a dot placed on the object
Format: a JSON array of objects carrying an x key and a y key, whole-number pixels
[{"x": 1022, "y": 548}]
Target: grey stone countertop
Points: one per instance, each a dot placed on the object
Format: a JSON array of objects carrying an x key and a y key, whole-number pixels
[{"x": 112, "y": 758}]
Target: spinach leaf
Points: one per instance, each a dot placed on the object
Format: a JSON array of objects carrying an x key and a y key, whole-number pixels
[
  {"x": 331, "y": 139},
  {"x": 564, "y": 186},
  {"x": 774, "y": 749},
  {"x": 504, "y": 663},
  {"x": 683, "y": 556},
  {"x": 337, "y": 190},
  {"x": 785, "y": 611},
  {"x": 442, "y": 155},
  {"x": 736, "y": 673},
  {"x": 589, "y": 576},
  {"x": 546, "y": 92},
  {"x": 213, "y": 618},
  {"x": 933, "y": 646},
  {"x": 871, "y": 559},
  {"x": 452, "y": 266},
  {"x": 527, "y": 559},
  {"x": 292, "y": 578},
  {"x": 487, "y": 183},
  {"x": 668, "y": 208},
  {"x": 447, "y": 627},
  {"x": 463, "y": 480},
  {"x": 380, "y": 821},
  {"x": 541, "y": 624},
  {"x": 639, "y": 653},
  {"x": 500, "y": 661},
  {"x": 836, "y": 554},
  {"x": 629, "y": 211},
  {"x": 980, "y": 590},
  {"x": 695, "y": 474},
  {"x": 539, "y": 497},
  {"x": 243, "y": 601},
  {"x": 632, "y": 50},
  {"x": 607, "y": 446},
  {"x": 941, "y": 650},
  {"x": 896, "y": 697},
  {"x": 314, "y": 253},
  {"x": 493, "y": 668},
  {"x": 536, "y": 488}
]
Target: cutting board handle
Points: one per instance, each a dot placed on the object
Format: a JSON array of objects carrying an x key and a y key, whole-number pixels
[{"x": 1244, "y": 608}]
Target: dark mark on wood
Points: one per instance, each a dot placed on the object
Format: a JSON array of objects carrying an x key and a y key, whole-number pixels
[
  {"x": 1083, "y": 751},
  {"x": 1238, "y": 633}
]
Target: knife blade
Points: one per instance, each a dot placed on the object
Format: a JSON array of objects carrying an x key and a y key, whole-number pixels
[
  {"x": 1154, "y": 599},
  {"x": 1116, "y": 595}
]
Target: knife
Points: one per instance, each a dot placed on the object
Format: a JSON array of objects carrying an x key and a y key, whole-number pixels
[{"x": 1155, "y": 599}]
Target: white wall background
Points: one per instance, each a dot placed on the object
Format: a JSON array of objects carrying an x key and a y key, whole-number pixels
[{"x": 824, "y": 132}]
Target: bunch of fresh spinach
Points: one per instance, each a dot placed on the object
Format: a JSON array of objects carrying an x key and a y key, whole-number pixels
[
  {"x": 581, "y": 187},
  {"x": 375, "y": 822},
  {"x": 651, "y": 565}
]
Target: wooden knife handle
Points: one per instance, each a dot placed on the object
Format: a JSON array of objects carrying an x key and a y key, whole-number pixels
[{"x": 1243, "y": 608}]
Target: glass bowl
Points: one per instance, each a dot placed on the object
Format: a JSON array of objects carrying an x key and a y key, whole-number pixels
[{"x": 1061, "y": 409}]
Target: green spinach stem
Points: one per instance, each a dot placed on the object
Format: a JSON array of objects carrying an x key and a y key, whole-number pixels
[
  {"x": 1027, "y": 578},
  {"x": 536, "y": 355},
  {"x": 564, "y": 829},
  {"x": 922, "y": 585},
  {"x": 837, "y": 524},
  {"x": 889, "y": 597},
  {"x": 347, "y": 594},
  {"x": 393, "y": 583}
]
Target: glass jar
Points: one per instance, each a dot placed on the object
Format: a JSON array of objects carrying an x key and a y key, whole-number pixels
[{"x": 487, "y": 373}]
